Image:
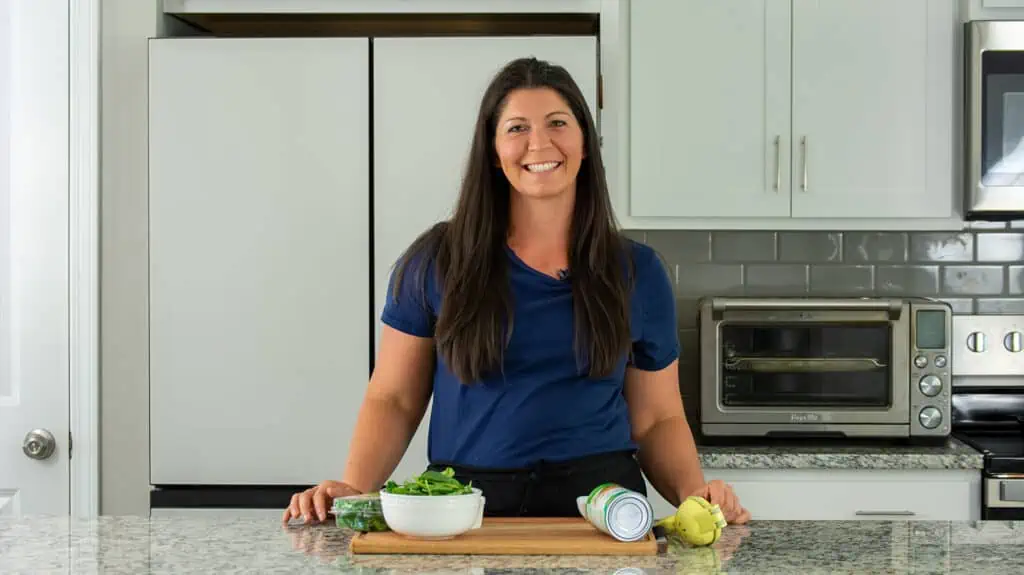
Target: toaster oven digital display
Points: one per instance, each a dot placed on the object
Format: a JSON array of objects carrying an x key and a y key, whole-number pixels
[{"x": 930, "y": 329}]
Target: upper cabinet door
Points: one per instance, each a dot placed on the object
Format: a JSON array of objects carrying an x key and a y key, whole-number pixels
[
  {"x": 259, "y": 223},
  {"x": 873, "y": 108},
  {"x": 709, "y": 108}
]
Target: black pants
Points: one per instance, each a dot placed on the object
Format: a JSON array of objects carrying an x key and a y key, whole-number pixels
[{"x": 549, "y": 489}]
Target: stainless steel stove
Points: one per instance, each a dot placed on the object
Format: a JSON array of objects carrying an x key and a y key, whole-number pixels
[{"x": 988, "y": 406}]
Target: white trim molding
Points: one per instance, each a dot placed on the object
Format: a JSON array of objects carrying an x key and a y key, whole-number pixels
[{"x": 84, "y": 197}]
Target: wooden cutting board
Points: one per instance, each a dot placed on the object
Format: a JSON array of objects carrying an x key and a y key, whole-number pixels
[{"x": 510, "y": 536}]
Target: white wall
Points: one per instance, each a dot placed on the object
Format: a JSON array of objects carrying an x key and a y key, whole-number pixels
[{"x": 124, "y": 350}]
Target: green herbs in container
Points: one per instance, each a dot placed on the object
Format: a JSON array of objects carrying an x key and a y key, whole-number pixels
[
  {"x": 359, "y": 513},
  {"x": 431, "y": 483}
]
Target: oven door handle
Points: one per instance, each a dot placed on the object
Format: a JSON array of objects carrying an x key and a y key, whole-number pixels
[{"x": 893, "y": 306}]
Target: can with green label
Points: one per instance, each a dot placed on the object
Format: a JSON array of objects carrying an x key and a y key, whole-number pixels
[{"x": 622, "y": 513}]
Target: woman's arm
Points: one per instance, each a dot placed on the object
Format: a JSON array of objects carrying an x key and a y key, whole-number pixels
[
  {"x": 668, "y": 454},
  {"x": 392, "y": 408}
]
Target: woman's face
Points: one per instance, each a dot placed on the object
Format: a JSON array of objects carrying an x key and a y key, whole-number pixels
[{"x": 539, "y": 143}]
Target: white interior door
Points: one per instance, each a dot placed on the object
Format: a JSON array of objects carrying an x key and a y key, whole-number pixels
[
  {"x": 419, "y": 158},
  {"x": 34, "y": 334}
]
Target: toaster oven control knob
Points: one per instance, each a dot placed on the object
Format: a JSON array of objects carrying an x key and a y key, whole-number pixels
[
  {"x": 920, "y": 362},
  {"x": 940, "y": 361},
  {"x": 930, "y": 417},
  {"x": 1012, "y": 342},
  {"x": 976, "y": 341},
  {"x": 930, "y": 385}
]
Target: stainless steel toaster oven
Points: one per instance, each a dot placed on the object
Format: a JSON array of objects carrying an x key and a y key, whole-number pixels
[{"x": 828, "y": 367}]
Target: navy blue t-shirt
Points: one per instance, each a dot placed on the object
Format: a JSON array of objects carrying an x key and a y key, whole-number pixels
[{"x": 542, "y": 407}]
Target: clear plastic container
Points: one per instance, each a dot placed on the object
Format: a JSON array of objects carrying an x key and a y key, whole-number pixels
[{"x": 359, "y": 513}]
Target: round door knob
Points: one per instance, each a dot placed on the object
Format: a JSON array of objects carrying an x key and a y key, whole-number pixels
[
  {"x": 930, "y": 417},
  {"x": 39, "y": 444},
  {"x": 976, "y": 341},
  {"x": 930, "y": 385},
  {"x": 1013, "y": 342}
]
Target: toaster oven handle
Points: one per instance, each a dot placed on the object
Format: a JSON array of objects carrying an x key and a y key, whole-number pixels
[
  {"x": 893, "y": 306},
  {"x": 802, "y": 365}
]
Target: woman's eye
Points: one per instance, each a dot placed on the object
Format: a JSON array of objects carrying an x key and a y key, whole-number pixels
[
  {"x": 558, "y": 123},
  {"x": 517, "y": 128}
]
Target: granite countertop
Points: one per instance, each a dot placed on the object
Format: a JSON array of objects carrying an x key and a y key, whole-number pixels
[
  {"x": 953, "y": 454},
  {"x": 189, "y": 545}
]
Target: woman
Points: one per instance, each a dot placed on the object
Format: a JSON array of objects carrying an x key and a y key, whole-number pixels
[{"x": 547, "y": 339}]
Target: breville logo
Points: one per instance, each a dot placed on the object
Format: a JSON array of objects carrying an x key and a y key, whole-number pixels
[{"x": 804, "y": 417}]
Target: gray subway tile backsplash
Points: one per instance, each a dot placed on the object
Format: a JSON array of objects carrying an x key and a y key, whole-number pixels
[
  {"x": 1016, "y": 277},
  {"x": 775, "y": 279},
  {"x": 1008, "y": 247},
  {"x": 817, "y": 247},
  {"x": 976, "y": 271},
  {"x": 908, "y": 280},
  {"x": 972, "y": 280},
  {"x": 941, "y": 247},
  {"x": 842, "y": 280},
  {"x": 743, "y": 246}
]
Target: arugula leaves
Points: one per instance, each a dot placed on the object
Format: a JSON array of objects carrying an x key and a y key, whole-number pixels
[{"x": 430, "y": 483}]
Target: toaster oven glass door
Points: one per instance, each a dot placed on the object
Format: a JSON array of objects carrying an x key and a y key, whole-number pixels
[{"x": 806, "y": 365}]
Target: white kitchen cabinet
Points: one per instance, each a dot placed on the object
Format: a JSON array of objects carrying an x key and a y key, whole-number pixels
[
  {"x": 709, "y": 108},
  {"x": 259, "y": 223},
  {"x": 872, "y": 108},
  {"x": 856, "y": 494},
  {"x": 426, "y": 94},
  {"x": 748, "y": 113}
]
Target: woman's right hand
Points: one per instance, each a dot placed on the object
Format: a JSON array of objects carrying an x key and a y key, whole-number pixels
[{"x": 312, "y": 504}]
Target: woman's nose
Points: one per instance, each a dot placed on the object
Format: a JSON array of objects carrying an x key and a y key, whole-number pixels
[{"x": 539, "y": 139}]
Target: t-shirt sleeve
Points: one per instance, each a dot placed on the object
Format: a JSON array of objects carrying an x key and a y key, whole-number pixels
[
  {"x": 658, "y": 345},
  {"x": 408, "y": 310}
]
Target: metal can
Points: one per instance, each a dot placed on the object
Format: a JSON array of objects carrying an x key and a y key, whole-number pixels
[{"x": 622, "y": 513}]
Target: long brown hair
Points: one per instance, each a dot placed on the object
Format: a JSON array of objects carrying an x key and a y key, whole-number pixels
[{"x": 475, "y": 320}]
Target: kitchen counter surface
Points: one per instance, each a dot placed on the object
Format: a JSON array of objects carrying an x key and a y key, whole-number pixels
[
  {"x": 952, "y": 454},
  {"x": 189, "y": 545}
]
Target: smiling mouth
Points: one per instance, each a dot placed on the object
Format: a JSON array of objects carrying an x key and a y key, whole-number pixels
[{"x": 542, "y": 167}]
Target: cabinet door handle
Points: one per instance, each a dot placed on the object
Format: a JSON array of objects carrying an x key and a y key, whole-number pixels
[
  {"x": 803, "y": 152},
  {"x": 778, "y": 163},
  {"x": 901, "y": 512}
]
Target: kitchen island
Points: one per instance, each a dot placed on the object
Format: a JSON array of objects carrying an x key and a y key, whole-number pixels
[{"x": 189, "y": 545}]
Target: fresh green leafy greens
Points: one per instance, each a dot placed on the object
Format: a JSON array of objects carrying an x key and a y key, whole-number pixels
[
  {"x": 360, "y": 514},
  {"x": 430, "y": 483}
]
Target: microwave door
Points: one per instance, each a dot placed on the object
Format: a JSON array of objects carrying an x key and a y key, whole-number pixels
[{"x": 995, "y": 120}]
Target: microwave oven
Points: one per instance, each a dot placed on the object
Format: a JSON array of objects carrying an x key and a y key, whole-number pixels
[
  {"x": 994, "y": 120},
  {"x": 825, "y": 367}
]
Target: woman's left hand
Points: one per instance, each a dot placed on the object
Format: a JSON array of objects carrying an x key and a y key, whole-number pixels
[{"x": 720, "y": 493}]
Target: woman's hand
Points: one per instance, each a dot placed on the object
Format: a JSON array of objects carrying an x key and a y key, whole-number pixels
[
  {"x": 720, "y": 493},
  {"x": 312, "y": 504}
]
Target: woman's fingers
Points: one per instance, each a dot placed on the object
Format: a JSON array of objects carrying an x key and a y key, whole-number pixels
[
  {"x": 744, "y": 517},
  {"x": 306, "y": 505},
  {"x": 320, "y": 499},
  {"x": 292, "y": 511}
]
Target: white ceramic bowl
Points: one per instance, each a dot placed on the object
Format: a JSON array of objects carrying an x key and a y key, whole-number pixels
[{"x": 433, "y": 516}]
